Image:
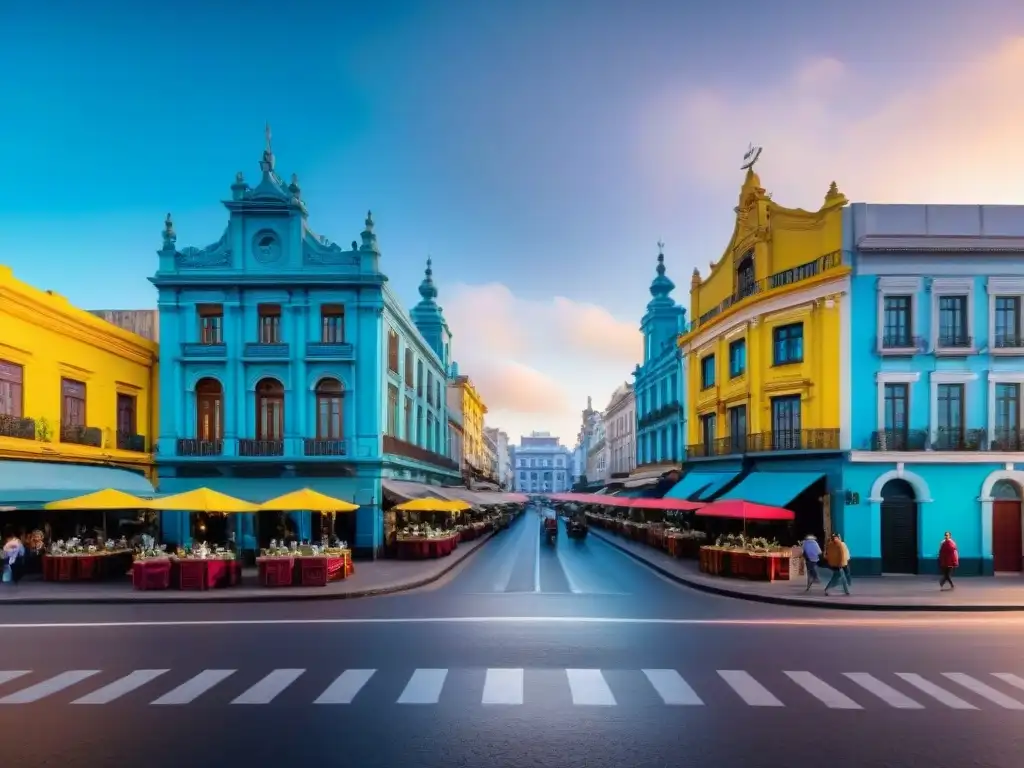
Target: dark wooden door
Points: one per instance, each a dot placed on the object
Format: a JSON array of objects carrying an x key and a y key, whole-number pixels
[
  {"x": 1007, "y": 554},
  {"x": 899, "y": 536}
]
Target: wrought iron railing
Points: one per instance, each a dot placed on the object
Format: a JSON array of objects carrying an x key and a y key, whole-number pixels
[
  {"x": 81, "y": 435},
  {"x": 316, "y": 446},
  {"x": 251, "y": 448},
  {"x": 191, "y": 446},
  {"x": 17, "y": 426}
]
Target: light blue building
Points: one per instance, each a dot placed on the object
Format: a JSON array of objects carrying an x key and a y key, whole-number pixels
[
  {"x": 287, "y": 362},
  {"x": 658, "y": 382},
  {"x": 937, "y": 360}
]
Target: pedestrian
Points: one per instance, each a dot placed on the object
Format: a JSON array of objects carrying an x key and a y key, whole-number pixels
[
  {"x": 949, "y": 558},
  {"x": 812, "y": 552},
  {"x": 838, "y": 557}
]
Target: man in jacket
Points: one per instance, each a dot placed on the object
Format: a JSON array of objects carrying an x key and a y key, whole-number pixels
[
  {"x": 838, "y": 558},
  {"x": 949, "y": 558},
  {"x": 812, "y": 552}
]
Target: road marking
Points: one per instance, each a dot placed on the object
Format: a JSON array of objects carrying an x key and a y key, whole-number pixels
[
  {"x": 122, "y": 687},
  {"x": 825, "y": 693},
  {"x": 503, "y": 686},
  {"x": 589, "y": 688},
  {"x": 672, "y": 688},
  {"x": 6, "y": 675},
  {"x": 424, "y": 687},
  {"x": 573, "y": 586},
  {"x": 1010, "y": 679},
  {"x": 267, "y": 689},
  {"x": 885, "y": 692},
  {"x": 192, "y": 689},
  {"x": 748, "y": 689},
  {"x": 939, "y": 694},
  {"x": 345, "y": 687},
  {"x": 45, "y": 688},
  {"x": 536, "y": 565},
  {"x": 985, "y": 691}
]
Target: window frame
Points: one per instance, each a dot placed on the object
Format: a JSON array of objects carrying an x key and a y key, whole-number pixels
[
  {"x": 12, "y": 389},
  {"x": 784, "y": 338}
]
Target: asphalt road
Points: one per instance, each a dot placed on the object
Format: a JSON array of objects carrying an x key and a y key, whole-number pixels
[{"x": 526, "y": 655}]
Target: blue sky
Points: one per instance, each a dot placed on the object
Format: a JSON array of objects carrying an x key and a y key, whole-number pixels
[{"x": 536, "y": 149}]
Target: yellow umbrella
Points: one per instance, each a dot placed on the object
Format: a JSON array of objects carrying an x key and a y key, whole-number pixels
[
  {"x": 106, "y": 499},
  {"x": 203, "y": 500},
  {"x": 307, "y": 499},
  {"x": 430, "y": 504}
]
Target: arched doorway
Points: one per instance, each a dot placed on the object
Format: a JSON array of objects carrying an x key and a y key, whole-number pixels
[
  {"x": 270, "y": 411},
  {"x": 1007, "y": 533},
  {"x": 899, "y": 527},
  {"x": 209, "y": 411}
]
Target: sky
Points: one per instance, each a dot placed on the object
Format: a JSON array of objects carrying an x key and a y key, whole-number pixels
[{"x": 537, "y": 150}]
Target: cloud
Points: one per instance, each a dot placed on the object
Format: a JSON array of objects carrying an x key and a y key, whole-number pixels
[
  {"x": 535, "y": 361},
  {"x": 953, "y": 137}
]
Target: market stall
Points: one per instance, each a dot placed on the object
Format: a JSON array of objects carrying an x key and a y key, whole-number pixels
[
  {"x": 423, "y": 540},
  {"x": 740, "y": 556}
]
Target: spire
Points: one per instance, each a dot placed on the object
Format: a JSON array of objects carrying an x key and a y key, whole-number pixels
[
  {"x": 170, "y": 238},
  {"x": 661, "y": 286},
  {"x": 369, "y": 238},
  {"x": 427, "y": 288},
  {"x": 267, "y": 163}
]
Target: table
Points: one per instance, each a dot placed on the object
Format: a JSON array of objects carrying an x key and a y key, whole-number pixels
[
  {"x": 304, "y": 570},
  {"x": 736, "y": 564},
  {"x": 421, "y": 548},
  {"x": 186, "y": 573},
  {"x": 91, "y": 566}
]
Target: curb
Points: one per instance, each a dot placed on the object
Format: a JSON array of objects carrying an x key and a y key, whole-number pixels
[
  {"x": 273, "y": 596},
  {"x": 812, "y": 603}
]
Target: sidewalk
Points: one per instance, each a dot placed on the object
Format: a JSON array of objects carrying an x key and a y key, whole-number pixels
[
  {"x": 884, "y": 593},
  {"x": 380, "y": 577}
]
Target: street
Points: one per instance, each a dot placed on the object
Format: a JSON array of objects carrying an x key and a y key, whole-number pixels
[{"x": 525, "y": 655}]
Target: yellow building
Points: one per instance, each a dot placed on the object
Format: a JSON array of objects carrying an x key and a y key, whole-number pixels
[
  {"x": 472, "y": 408},
  {"x": 77, "y": 400},
  {"x": 763, "y": 357}
]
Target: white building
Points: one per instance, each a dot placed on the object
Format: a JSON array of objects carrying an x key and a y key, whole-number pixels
[
  {"x": 503, "y": 456},
  {"x": 620, "y": 431},
  {"x": 597, "y": 452},
  {"x": 489, "y": 459},
  {"x": 543, "y": 464}
]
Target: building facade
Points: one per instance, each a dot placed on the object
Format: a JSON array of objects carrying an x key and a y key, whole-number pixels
[
  {"x": 937, "y": 362},
  {"x": 455, "y": 436},
  {"x": 503, "y": 460},
  {"x": 658, "y": 383},
  {"x": 77, "y": 400},
  {"x": 542, "y": 464},
  {"x": 597, "y": 453},
  {"x": 464, "y": 397},
  {"x": 288, "y": 363},
  {"x": 766, "y": 370},
  {"x": 620, "y": 432}
]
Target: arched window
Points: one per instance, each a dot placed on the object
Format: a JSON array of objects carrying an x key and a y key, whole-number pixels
[
  {"x": 330, "y": 399},
  {"x": 209, "y": 410},
  {"x": 269, "y": 410}
]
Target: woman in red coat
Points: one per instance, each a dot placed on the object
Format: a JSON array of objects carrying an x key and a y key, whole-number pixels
[{"x": 949, "y": 559}]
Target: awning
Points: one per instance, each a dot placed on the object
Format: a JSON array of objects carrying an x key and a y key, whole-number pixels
[
  {"x": 649, "y": 477},
  {"x": 407, "y": 491},
  {"x": 745, "y": 510},
  {"x": 699, "y": 484},
  {"x": 33, "y": 484},
  {"x": 773, "y": 488}
]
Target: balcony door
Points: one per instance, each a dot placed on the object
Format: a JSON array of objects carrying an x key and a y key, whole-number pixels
[
  {"x": 209, "y": 410},
  {"x": 330, "y": 399},
  {"x": 270, "y": 411},
  {"x": 786, "y": 423}
]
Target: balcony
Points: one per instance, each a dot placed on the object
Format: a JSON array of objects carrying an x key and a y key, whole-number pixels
[
  {"x": 257, "y": 449},
  {"x": 398, "y": 447},
  {"x": 946, "y": 439},
  {"x": 788, "y": 277},
  {"x": 954, "y": 344},
  {"x": 81, "y": 435},
  {"x": 191, "y": 446},
  {"x": 899, "y": 440},
  {"x": 336, "y": 351},
  {"x": 128, "y": 441},
  {"x": 766, "y": 442},
  {"x": 323, "y": 447},
  {"x": 17, "y": 426},
  {"x": 666, "y": 411},
  {"x": 1006, "y": 440},
  {"x": 901, "y": 344},
  {"x": 200, "y": 351},
  {"x": 1008, "y": 344},
  {"x": 954, "y": 439},
  {"x": 257, "y": 351}
]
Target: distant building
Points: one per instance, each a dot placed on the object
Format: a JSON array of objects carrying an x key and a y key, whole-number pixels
[
  {"x": 543, "y": 464},
  {"x": 144, "y": 322},
  {"x": 597, "y": 453},
  {"x": 620, "y": 432},
  {"x": 503, "y": 462}
]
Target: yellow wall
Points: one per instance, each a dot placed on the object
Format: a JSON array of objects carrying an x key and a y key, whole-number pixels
[
  {"x": 51, "y": 339},
  {"x": 473, "y": 412},
  {"x": 780, "y": 239}
]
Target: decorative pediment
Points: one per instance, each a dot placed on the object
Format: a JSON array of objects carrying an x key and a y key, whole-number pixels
[
  {"x": 317, "y": 250},
  {"x": 216, "y": 255}
]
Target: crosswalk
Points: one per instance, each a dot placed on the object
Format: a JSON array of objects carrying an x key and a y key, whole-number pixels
[{"x": 498, "y": 688}]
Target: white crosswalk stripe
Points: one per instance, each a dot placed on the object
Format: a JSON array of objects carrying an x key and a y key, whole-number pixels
[{"x": 722, "y": 688}]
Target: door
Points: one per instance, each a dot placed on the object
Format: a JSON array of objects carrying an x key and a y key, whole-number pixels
[
  {"x": 1007, "y": 554},
  {"x": 899, "y": 528}
]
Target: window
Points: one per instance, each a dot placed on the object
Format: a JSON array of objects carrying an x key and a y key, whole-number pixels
[
  {"x": 408, "y": 421},
  {"x": 12, "y": 380},
  {"x": 211, "y": 323},
  {"x": 746, "y": 284},
  {"x": 209, "y": 410},
  {"x": 430, "y": 388},
  {"x": 737, "y": 358},
  {"x": 788, "y": 344},
  {"x": 392, "y": 414},
  {"x": 951, "y": 416},
  {"x": 269, "y": 323},
  {"x": 126, "y": 410},
  {"x": 419, "y": 378},
  {"x": 738, "y": 428},
  {"x": 330, "y": 414},
  {"x": 707, "y": 432},
  {"x": 897, "y": 399},
  {"x": 269, "y": 410},
  {"x": 786, "y": 429},
  {"x": 431, "y": 430},
  {"x": 707, "y": 372},
  {"x": 1007, "y": 426},
  {"x": 420, "y": 429},
  {"x": 332, "y": 324},
  {"x": 437, "y": 393},
  {"x": 898, "y": 329},
  {"x": 953, "y": 322},
  {"x": 72, "y": 408},
  {"x": 392, "y": 351},
  {"x": 1008, "y": 324},
  {"x": 409, "y": 369}
]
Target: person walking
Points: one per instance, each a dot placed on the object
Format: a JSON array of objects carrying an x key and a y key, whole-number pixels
[
  {"x": 812, "y": 553},
  {"x": 838, "y": 557},
  {"x": 949, "y": 558}
]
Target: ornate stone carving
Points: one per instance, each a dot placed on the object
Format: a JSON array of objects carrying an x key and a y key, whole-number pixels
[{"x": 216, "y": 255}]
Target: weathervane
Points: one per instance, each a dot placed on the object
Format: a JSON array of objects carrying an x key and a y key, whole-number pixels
[
  {"x": 753, "y": 153},
  {"x": 661, "y": 246}
]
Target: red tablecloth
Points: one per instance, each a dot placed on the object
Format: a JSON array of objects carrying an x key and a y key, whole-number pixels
[
  {"x": 91, "y": 567},
  {"x": 414, "y": 548},
  {"x": 304, "y": 570}
]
